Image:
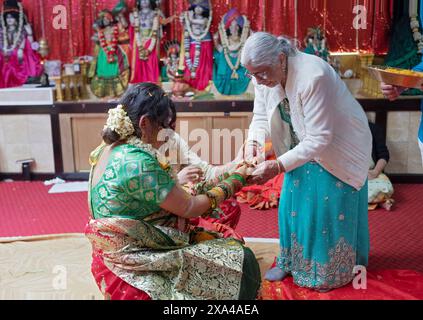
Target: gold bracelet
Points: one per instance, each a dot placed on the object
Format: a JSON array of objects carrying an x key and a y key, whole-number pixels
[
  {"x": 213, "y": 203},
  {"x": 216, "y": 196}
]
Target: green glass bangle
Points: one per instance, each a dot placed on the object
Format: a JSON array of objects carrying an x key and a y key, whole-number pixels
[{"x": 238, "y": 177}]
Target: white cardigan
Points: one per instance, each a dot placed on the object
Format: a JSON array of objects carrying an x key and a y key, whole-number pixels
[{"x": 331, "y": 125}]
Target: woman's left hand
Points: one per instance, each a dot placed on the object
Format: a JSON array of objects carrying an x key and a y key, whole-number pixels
[
  {"x": 190, "y": 174},
  {"x": 264, "y": 172}
]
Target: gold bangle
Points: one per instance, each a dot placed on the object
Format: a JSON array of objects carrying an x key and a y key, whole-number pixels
[{"x": 212, "y": 200}]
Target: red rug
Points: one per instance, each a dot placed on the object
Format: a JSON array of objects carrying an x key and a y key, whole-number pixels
[
  {"x": 27, "y": 209},
  {"x": 381, "y": 285},
  {"x": 396, "y": 237}
]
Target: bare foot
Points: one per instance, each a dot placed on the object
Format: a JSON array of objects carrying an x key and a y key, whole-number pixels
[
  {"x": 275, "y": 274},
  {"x": 388, "y": 204}
]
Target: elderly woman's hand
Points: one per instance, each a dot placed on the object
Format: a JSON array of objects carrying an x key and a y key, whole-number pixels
[
  {"x": 252, "y": 152},
  {"x": 265, "y": 171},
  {"x": 373, "y": 174}
]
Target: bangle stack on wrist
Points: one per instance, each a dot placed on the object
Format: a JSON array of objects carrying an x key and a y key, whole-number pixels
[
  {"x": 216, "y": 197},
  {"x": 225, "y": 190}
]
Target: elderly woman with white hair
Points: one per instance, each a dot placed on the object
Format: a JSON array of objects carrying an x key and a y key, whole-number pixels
[{"x": 322, "y": 139}]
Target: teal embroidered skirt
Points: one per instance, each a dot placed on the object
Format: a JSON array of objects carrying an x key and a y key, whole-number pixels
[{"x": 323, "y": 226}]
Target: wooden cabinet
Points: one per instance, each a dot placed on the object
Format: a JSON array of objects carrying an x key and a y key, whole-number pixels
[
  {"x": 216, "y": 137},
  {"x": 80, "y": 134}
]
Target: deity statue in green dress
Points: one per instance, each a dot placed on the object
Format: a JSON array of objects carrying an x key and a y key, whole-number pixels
[
  {"x": 316, "y": 44},
  {"x": 228, "y": 74},
  {"x": 109, "y": 71}
]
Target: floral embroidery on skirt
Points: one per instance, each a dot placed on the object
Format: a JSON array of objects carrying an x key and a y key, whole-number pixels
[{"x": 323, "y": 228}]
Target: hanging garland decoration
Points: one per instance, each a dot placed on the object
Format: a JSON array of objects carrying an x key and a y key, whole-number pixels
[
  {"x": 239, "y": 47},
  {"x": 141, "y": 41},
  {"x": 188, "y": 35},
  {"x": 110, "y": 47},
  {"x": 192, "y": 66},
  {"x": 6, "y": 46},
  {"x": 415, "y": 25}
]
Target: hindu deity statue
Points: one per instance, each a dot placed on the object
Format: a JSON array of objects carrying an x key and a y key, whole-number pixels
[
  {"x": 145, "y": 32},
  {"x": 316, "y": 44},
  {"x": 228, "y": 74},
  {"x": 171, "y": 65},
  {"x": 198, "y": 45},
  {"x": 109, "y": 71},
  {"x": 120, "y": 13},
  {"x": 18, "y": 60}
]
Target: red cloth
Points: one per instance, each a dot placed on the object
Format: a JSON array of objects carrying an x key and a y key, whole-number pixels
[
  {"x": 226, "y": 223},
  {"x": 381, "y": 285},
  {"x": 143, "y": 70},
  {"x": 112, "y": 287},
  {"x": 73, "y": 37},
  {"x": 262, "y": 196},
  {"x": 230, "y": 215},
  {"x": 204, "y": 71},
  {"x": 15, "y": 74}
]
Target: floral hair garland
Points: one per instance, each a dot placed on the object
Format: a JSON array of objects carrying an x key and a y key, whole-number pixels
[{"x": 119, "y": 122}]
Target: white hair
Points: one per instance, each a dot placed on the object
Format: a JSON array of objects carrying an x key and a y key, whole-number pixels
[{"x": 264, "y": 49}]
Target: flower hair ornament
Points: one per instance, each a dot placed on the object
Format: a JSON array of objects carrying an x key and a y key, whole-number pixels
[{"x": 119, "y": 122}]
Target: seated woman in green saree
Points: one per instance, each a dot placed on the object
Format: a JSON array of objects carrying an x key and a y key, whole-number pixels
[{"x": 144, "y": 246}]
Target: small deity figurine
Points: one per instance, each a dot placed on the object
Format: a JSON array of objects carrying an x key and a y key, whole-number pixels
[
  {"x": 109, "y": 71},
  {"x": 18, "y": 60},
  {"x": 145, "y": 31},
  {"x": 171, "y": 64},
  {"x": 179, "y": 87},
  {"x": 228, "y": 74},
  {"x": 120, "y": 12},
  {"x": 198, "y": 44},
  {"x": 315, "y": 43}
]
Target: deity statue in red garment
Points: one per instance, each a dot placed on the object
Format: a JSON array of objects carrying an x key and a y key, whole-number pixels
[
  {"x": 145, "y": 31},
  {"x": 198, "y": 44},
  {"x": 18, "y": 60}
]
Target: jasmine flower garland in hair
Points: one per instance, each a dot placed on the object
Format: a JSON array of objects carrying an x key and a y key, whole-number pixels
[{"x": 119, "y": 122}]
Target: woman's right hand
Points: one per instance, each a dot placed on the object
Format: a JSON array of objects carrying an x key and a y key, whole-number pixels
[
  {"x": 253, "y": 152},
  {"x": 391, "y": 92},
  {"x": 373, "y": 174}
]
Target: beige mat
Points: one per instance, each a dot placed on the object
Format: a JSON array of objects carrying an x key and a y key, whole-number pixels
[{"x": 58, "y": 267}]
